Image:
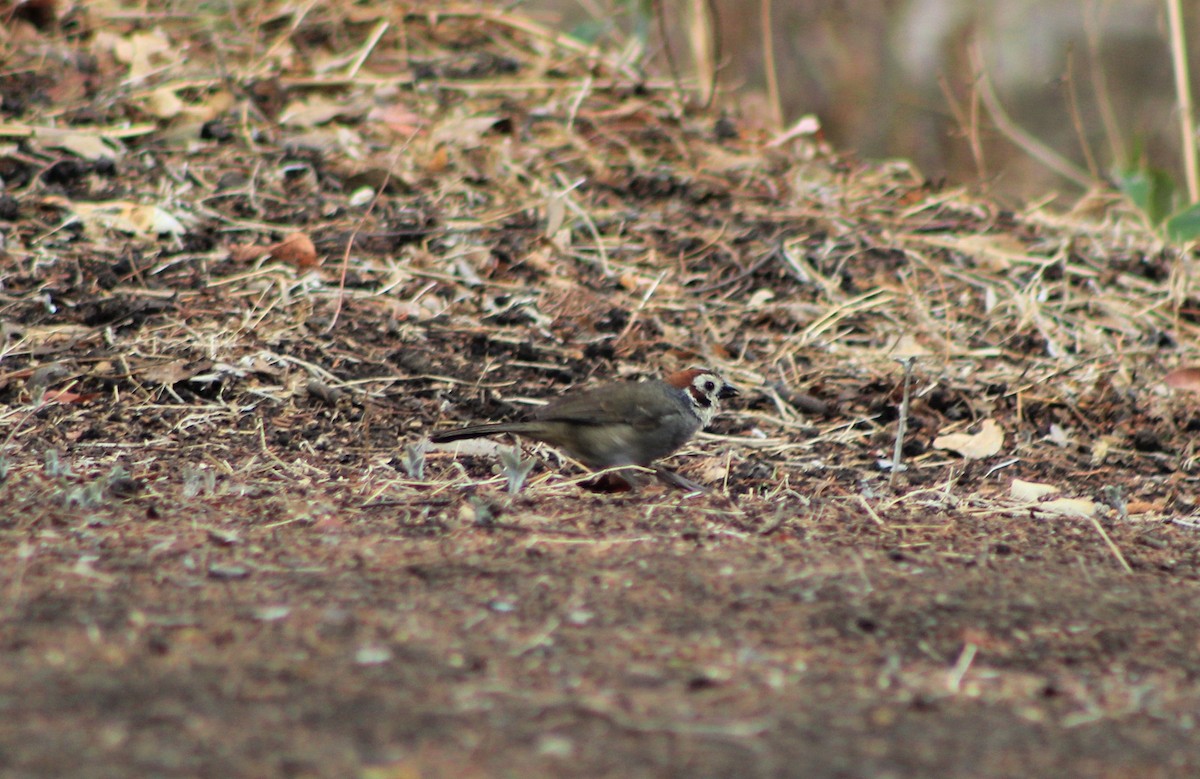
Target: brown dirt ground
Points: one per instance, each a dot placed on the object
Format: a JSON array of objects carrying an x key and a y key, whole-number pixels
[{"x": 226, "y": 552}]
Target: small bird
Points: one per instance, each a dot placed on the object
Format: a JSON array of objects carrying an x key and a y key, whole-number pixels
[{"x": 621, "y": 423}]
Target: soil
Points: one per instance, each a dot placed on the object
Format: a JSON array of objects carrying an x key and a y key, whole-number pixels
[{"x": 228, "y": 549}]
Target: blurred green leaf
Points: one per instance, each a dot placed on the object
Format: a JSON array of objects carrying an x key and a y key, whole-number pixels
[
  {"x": 590, "y": 31},
  {"x": 1150, "y": 189},
  {"x": 642, "y": 12},
  {"x": 1184, "y": 226}
]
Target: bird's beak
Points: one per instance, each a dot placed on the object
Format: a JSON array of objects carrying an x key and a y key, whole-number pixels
[{"x": 728, "y": 391}]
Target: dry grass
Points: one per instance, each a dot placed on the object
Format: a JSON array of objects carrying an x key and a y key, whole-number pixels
[{"x": 500, "y": 211}]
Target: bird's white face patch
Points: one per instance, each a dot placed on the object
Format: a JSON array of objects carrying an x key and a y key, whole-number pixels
[{"x": 705, "y": 390}]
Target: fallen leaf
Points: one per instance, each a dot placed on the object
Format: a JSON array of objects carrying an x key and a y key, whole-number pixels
[
  {"x": 438, "y": 161},
  {"x": 248, "y": 252},
  {"x": 315, "y": 110},
  {"x": 466, "y": 132},
  {"x": 713, "y": 470},
  {"x": 907, "y": 346},
  {"x": 66, "y": 397},
  {"x": 297, "y": 249},
  {"x": 168, "y": 373},
  {"x": 399, "y": 119},
  {"x": 1100, "y": 449},
  {"x": 807, "y": 125},
  {"x": 126, "y": 217},
  {"x": 974, "y": 446},
  {"x": 163, "y": 103},
  {"x": 144, "y": 52},
  {"x": 1185, "y": 379},
  {"x": 1069, "y": 507},
  {"x": 1058, "y": 436},
  {"x": 90, "y": 145},
  {"x": 556, "y": 216},
  {"x": 1031, "y": 491},
  {"x": 760, "y": 298}
]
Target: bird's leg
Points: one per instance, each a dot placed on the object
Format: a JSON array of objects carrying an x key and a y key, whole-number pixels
[
  {"x": 608, "y": 482},
  {"x": 668, "y": 476}
]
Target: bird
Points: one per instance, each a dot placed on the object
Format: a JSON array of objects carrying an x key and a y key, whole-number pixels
[{"x": 620, "y": 424}]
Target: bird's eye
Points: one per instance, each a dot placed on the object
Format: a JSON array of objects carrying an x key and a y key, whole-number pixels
[{"x": 709, "y": 386}]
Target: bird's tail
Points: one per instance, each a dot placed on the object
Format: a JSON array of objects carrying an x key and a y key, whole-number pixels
[{"x": 474, "y": 431}]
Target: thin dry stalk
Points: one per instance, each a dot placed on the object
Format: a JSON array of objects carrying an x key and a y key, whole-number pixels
[
  {"x": 1108, "y": 117},
  {"x": 871, "y": 512},
  {"x": 1018, "y": 136},
  {"x": 660, "y": 18},
  {"x": 369, "y": 46},
  {"x": 968, "y": 123},
  {"x": 1077, "y": 120},
  {"x": 961, "y": 666},
  {"x": 1112, "y": 547},
  {"x": 769, "y": 68},
  {"x": 641, "y": 306},
  {"x": 702, "y": 35},
  {"x": 902, "y": 421},
  {"x": 1183, "y": 94}
]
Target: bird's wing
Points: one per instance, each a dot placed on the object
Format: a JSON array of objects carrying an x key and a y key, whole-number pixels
[{"x": 634, "y": 404}]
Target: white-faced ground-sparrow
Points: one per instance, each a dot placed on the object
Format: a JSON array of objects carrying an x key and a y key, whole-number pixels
[{"x": 621, "y": 423}]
